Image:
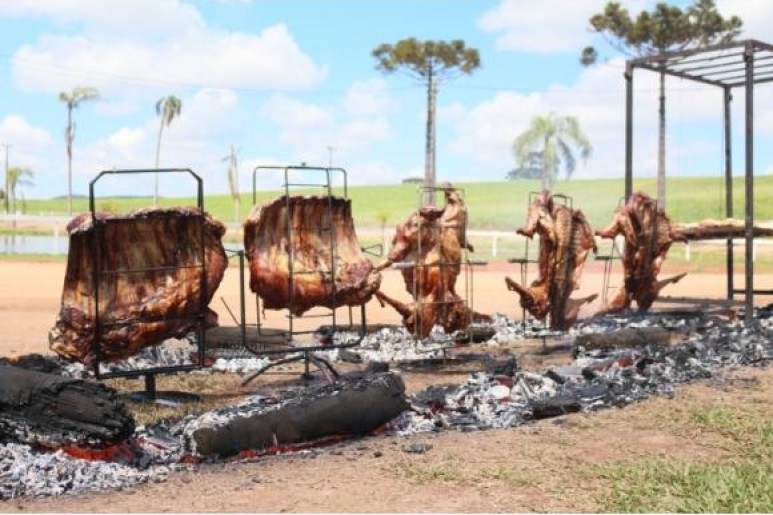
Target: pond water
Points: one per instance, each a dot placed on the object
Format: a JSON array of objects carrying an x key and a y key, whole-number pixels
[{"x": 33, "y": 244}]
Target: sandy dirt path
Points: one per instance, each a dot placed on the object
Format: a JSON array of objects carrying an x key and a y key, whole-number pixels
[{"x": 542, "y": 467}]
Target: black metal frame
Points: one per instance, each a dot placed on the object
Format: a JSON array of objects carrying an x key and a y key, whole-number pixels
[
  {"x": 290, "y": 333},
  {"x": 730, "y": 65},
  {"x": 98, "y": 273}
]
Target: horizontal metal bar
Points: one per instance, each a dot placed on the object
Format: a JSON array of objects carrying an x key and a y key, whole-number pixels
[
  {"x": 148, "y": 371},
  {"x": 756, "y": 292},
  {"x": 145, "y": 270}
]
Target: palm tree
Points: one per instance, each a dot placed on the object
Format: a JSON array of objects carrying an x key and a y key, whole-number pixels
[
  {"x": 553, "y": 136},
  {"x": 167, "y": 108},
  {"x": 72, "y": 100},
  {"x": 233, "y": 180},
  {"x": 17, "y": 177}
]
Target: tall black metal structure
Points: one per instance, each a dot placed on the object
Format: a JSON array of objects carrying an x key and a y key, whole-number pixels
[{"x": 727, "y": 66}]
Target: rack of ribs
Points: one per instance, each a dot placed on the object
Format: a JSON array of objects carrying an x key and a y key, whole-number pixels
[
  {"x": 565, "y": 239},
  {"x": 146, "y": 269},
  {"x": 303, "y": 252}
]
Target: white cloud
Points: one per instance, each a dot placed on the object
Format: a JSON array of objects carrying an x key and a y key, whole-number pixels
[
  {"x": 350, "y": 126},
  {"x": 117, "y": 17},
  {"x": 485, "y": 132},
  {"x": 560, "y": 26},
  {"x": 368, "y": 98},
  {"x": 16, "y": 130},
  {"x": 756, "y": 16},
  {"x": 121, "y": 48}
]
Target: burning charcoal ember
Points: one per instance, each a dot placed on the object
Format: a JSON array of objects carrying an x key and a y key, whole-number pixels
[
  {"x": 566, "y": 239},
  {"x": 50, "y": 410},
  {"x": 25, "y": 473},
  {"x": 432, "y": 242},
  {"x": 151, "y": 277},
  {"x": 320, "y": 263},
  {"x": 351, "y": 410},
  {"x": 648, "y": 234}
]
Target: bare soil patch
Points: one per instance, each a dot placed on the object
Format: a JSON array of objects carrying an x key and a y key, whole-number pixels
[{"x": 547, "y": 466}]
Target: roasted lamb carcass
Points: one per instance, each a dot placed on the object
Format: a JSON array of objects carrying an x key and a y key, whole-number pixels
[
  {"x": 565, "y": 240},
  {"x": 303, "y": 252},
  {"x": 152, "y": 281},
  {"x": 648, "y": 234},
  {"x": 432, "y": 241}
]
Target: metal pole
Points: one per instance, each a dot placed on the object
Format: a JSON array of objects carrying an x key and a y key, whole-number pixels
[
  {"x": 728, "y": 97},
  {"x": 628, "y": 130},
  {"x": 749, "y": 293},
  {"x": 6, "y": 199}
]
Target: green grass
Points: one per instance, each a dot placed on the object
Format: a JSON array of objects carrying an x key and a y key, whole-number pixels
[
  {"x": 491, "y": 205},
  {"x": 741, "y": 482}
]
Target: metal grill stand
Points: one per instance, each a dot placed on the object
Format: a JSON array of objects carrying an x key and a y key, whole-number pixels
[
  {"x": 322, "y": 339},
  {"x": 101, "y": 272}
]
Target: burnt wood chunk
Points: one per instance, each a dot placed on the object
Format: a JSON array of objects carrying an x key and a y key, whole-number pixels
[
  {"x": 50, "y": 410},
  {"x": 630, "y": 337},
  {"x": 156, "y": 270},
  {"x": 354, "y": 410},
  {"x": 303, "y": 252}
]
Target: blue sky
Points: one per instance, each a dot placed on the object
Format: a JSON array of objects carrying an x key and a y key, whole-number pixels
[{"x": 286, "y": 81}]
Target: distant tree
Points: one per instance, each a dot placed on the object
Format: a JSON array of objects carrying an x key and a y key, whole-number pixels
[
  {"x": 73, "y": 99},
  {"x": 665, "y": 29},
  {"x": 553, "y": 136},
  {"x": 167, "y": 109},
  {"x": 430, "y": 62},
  {"x": 233, "y": 180},
  {"x": 17, "y": 177},
  {"x": 530, "y": 169}
]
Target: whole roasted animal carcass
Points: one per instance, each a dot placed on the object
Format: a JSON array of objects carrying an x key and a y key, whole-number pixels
[
  {"x": 303, "y": 252},
  {"x": 565, "y": 240},
  {"x": 153, "y": 272},
  {"x": 429, "y": 245},
  {"x": 648, "y": 235}
]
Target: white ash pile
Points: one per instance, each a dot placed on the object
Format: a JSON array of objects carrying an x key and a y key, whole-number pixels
[
  {"x": 598, "y": 378},
  {"x": 171, "y": 355},
  {"x": 26, "y": 473}
]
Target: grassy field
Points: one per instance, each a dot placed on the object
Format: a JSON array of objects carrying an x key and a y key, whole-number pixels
[{"x": 492, "y": 205}]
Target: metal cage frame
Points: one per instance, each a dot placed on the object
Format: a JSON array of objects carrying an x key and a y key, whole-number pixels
[
  {"x": 199, "y": 317},
  {"x": 727, "y": 66}
]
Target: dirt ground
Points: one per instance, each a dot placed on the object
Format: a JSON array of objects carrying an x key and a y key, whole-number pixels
[{"x": 541, "y": 467}]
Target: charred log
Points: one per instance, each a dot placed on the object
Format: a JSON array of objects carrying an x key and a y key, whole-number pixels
[
  {"x": 632, "y": 337},
  {"x": 354, "y": 410},
  {"x": 152, "y": 283},
  {"x": 50, "y": 410},
  {"x": 432, "y": 241},
  {"x": 565, "y": 239},
  {"x": 303, "y": 252}
]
